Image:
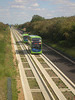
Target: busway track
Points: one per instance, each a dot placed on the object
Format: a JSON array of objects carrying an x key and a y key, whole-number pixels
[
  {"x": 56, "y": 70},
  {"x": 47, "y": 96},
  {"x": 53, "y": 91}
]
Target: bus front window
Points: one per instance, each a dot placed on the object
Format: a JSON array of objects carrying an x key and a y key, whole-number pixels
[
  {"x": 25, "y": 37},
  {"x": 36, "y": 46}
]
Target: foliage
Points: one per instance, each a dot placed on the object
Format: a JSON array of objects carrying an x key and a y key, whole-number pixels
[
  {"x": 55, "y": 29},
  {"x": 7, "y": 68},
  {"x": 37, "y": 18},
  {"x": 3, "y": 26}
]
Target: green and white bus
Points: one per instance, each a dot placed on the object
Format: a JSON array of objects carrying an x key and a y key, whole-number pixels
[
  {"x": 25, "y": 38},
  {"x": 35, "y": 44}
]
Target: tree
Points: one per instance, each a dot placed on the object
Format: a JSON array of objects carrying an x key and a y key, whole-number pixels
[{"x": 37, "y": 18}]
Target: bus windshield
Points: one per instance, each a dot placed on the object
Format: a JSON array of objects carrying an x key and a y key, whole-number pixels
[
  {"x": 36, "y": 46},
  {"x": 25, "y": 37}
]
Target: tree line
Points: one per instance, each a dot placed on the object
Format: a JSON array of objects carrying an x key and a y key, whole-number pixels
[
  {"x": 57, "y": 30},
  {"x": 3, "y": 26}
]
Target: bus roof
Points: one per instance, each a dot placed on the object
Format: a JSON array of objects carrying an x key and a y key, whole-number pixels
[
  {"x": 34, "y": 36},
  {"x": 25, "y": 35}
]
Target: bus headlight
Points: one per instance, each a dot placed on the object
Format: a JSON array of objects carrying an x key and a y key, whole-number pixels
[{"x": 39, "y": 40}]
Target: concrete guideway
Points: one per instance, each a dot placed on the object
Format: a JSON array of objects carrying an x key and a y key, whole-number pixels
[
  {"x": 43, "y": 90},
  {"x": 55, "y": 88},
  {"x": 26, "y": 88},
  {"x": 50, "y": 81},
  {"x": 68, "y": 84},
  {"x": 62, "y": 76}
]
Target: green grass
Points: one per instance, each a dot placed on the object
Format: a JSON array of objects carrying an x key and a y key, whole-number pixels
[
  {"x": 33, "y": 83},
  {"x": 67, "y": 50},
  {"x": 38, "y": 96},
  {"x": 7, "y": 68}
]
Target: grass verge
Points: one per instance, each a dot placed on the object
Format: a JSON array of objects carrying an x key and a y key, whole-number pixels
[
  {"x": 67, "y": 50},
  {"x": 7, "y": 68}
]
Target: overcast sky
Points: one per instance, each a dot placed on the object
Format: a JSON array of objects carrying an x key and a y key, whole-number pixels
[{"x": 21, "y": 11}]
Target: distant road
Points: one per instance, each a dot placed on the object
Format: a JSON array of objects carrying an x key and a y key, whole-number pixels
[{"x": 67, "y": 67}]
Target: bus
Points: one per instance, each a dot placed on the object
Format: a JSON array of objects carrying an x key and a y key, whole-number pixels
[
  {"x": 35, "y": 44},
  {"x": 25, "y": 38}
]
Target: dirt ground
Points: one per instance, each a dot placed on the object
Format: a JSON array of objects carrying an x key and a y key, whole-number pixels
[{"x": 19, "y": 85}]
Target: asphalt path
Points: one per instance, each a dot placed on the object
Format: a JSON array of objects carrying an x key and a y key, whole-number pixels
[{"x": 66, "y": 66}]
